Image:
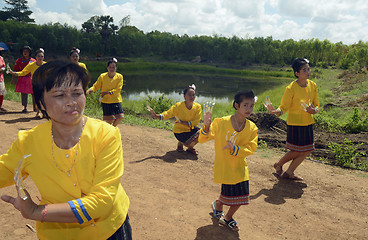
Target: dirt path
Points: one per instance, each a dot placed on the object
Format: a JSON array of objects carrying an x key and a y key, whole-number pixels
[{"x": 171, "y": 193}]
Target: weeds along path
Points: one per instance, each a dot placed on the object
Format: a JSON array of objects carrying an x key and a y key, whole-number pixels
[{"x": 171, "y": 192}]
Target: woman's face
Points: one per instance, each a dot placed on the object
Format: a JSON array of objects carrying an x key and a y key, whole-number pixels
[
  {"x": 245, "y": 108},
  {"x": 74, "y": 57},
  {"x": 65, "y": 104},
  {"x": 39, "y": 57},
  {"x": 111, "y": 68},
  {"x": 190, "y": 95}
]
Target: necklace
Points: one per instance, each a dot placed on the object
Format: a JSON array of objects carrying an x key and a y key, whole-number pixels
[
  {"x": 236, "y": 122},
  {"x": 66, "y": 155}
]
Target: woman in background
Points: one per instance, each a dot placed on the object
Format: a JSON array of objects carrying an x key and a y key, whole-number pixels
[
  {"x": 24, "y": 83},
  {"x": 74, "y": 57},
  {"x": 30, "y": 69},
  {"x": 110, "y": 84}
]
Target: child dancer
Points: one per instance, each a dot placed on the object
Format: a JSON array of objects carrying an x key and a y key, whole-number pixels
[
  {"x": 24, "y": 83},
  {"x": 301, "y": 100},
  {"x": 31, "y": 68},
  {"x": 2, "y": 84},
  {"x": 111, "y": 84},
  {"x": 235, "y": 138},
  {"x": 188, "y": 114},
  {"x": 74, "y": 57}
]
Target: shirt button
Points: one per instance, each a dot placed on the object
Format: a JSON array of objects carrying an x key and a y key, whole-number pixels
[
  {"x": 92, "y": 224},
  {"x": 74, "y": 184}
]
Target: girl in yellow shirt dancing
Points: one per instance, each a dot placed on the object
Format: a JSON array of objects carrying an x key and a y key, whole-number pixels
[
  {"x": 235, "y": 138},
  {"x": 188, "y": 114},
  {"x": 110, "y": 84},
  {"x": 301, "y": 100}
]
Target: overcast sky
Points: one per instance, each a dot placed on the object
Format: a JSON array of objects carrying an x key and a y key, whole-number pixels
[{"x": 335, "y": 20}]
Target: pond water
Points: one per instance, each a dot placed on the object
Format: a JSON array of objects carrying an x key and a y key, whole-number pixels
[{"x": 209, "y": 88}]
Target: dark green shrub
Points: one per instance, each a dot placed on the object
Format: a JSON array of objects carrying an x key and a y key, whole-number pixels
[
  {"x": 346, "y": 154},
  {"x": 159, "y": 104}
]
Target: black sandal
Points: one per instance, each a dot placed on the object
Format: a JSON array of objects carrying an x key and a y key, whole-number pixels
[{"x": 232, "y": 224}]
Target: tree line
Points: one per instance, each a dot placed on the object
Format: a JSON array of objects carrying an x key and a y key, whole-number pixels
[{"x": 100, "y": 37}]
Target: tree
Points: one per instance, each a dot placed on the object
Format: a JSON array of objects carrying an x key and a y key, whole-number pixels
[
  {"x": 124, "y": 22},
  {"x": 103, "y": 25},
  {"x": 19, "y": 11}
]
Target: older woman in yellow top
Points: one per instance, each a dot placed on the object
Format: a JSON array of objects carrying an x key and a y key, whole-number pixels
[
  {"x": 301, "y": 100},
  {"x": 31, "y": 68},
  {"x": 110, "y": 84},
  {"x": 235, "y": 138},
  {"x": 74, "y": 57},
  {"x": 76, "y": 163},
  {"x": 188, "y": 114}
]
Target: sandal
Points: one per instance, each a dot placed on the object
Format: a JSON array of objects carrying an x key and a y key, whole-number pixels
[
  {"x": 216, "y": 213},
  {"x": 232, "y": 224},
  {"x": 192, "y": 151},
  {"x": 3, "y": 110},
  {"x": 291, "y": 177},
  {"x": 278, "y": 169}
]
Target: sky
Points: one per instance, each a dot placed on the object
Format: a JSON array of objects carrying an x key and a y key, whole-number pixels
[{"x": 335, "y": 20}]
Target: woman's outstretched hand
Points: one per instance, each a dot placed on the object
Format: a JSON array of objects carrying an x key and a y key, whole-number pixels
[
  {"x": 26, "y": 207},
  {"x": 268, "y": 105}
]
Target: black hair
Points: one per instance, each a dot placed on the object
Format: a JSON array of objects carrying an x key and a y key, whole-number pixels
[
  {"x": 241, "y": 95},
  {"x": 113, "y": 60},
  {"x": 74, "y": 50},
  {"x": 187, "y": 89},
  {"x": 26, "y": 47},
  {"x": 40, "y": 50},
  {"x": 55, "y": 74},
  {"x": 298, "y": 64}
]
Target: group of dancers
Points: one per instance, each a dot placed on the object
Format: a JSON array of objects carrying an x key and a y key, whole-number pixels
[
  {"x": 79, "y": 168},
  {"x": 110, "y": 83},
  {"x": 236, "y": 137}
]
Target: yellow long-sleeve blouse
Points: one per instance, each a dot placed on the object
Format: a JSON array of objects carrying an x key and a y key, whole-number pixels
[
  {"x": 82, "y": 65},
  {"x": 191, "y": 116},
  {"x": 111, "y": 85},
  {"x": 230, "y": 165},
  {"x": 292, "y": 100},
  {"x": 93, "y": 190},
  {"x": 30, "y": 68}
]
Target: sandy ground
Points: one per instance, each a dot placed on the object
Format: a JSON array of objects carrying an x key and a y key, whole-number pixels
[{"x": 171, "y": 192}]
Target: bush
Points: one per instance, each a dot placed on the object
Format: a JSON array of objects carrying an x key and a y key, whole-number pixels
[
  {"x": 346, "y": 154},
  {"x": 357, "y": 124},
  {"x": 159, "y": 104}
]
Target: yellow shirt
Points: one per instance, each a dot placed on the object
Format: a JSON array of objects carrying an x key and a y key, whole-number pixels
[
  {"x": 192, "y": 116},
  {"x": 292, "y": 100},
  {"x": 30, "y": 68},
  {"x": 82, "y": 65},
  {"x": 111, "y": 85},
  {"x": 93, "y": 189},
  {"x": 230, "y": 166}
]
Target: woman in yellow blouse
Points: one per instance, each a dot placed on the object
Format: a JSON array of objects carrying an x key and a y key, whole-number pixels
[
  {"x": 74, "y": 57},
  {"x": 235, "y": 138},
  {"x": 110, "y": 84},
  {"x": 31, "y": 68},
  {"x": 301, "y": 100},
  {"x": 188, "y": 114},
  {"x": 76, "y": 163}
]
